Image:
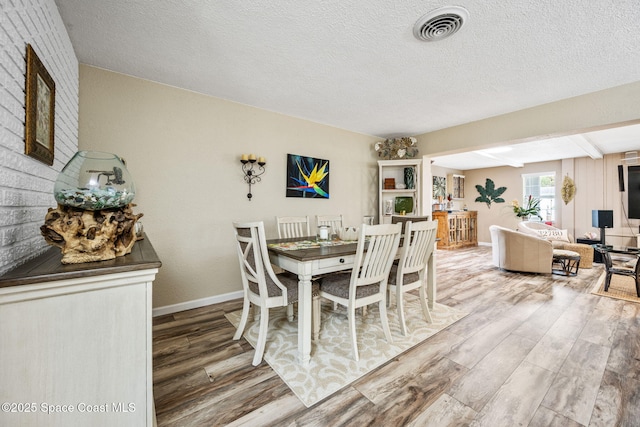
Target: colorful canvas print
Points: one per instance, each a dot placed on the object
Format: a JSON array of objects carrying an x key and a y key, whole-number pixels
[{"x": 307, "y": 177}]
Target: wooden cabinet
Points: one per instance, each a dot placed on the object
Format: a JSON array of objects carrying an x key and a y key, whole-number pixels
[
  {"x": 457, "y": 229},
  {"x": 391, "y": 199},
  {"x": 75, "y": 341}
]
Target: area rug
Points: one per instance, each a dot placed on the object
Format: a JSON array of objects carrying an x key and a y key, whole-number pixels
[
  {"x": 332, "y": 366},
  {"x": 621, "y": 287}
]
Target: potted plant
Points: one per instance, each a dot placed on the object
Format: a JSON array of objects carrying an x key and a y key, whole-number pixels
[{"x": 532, "y": 208}]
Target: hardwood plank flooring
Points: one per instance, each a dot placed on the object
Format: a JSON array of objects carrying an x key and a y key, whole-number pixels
[{"x": 535, "y": 350}]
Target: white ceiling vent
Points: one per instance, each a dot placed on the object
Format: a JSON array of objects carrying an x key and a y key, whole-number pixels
[{"x": 440, "y": 23}]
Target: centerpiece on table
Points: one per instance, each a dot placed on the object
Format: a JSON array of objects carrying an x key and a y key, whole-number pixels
[{"x": 532, "y": 208}]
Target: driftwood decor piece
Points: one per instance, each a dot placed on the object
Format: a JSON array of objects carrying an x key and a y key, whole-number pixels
[{"x": 86, "y": 236}]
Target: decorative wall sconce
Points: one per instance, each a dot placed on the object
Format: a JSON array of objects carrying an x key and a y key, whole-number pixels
[{"x": 251, "y": 175}]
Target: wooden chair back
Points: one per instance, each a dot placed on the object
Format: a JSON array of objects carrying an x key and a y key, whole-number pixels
[
  {"x": 373, "y": 265},
  {"x": 255, "y": 268},
  {"x": 333, "y": 221},
  {"x": 292, "y": 226},
  {"x": 395, "y": 219},
  {"x": 418, "y": 245}
]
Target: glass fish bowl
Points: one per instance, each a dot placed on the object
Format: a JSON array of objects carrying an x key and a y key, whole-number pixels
[{"x": 93, "y": 180}]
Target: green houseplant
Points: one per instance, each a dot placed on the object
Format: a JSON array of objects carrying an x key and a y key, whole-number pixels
[{"x": 532, "y": 208}]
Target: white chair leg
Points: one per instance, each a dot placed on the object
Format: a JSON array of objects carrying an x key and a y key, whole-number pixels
[
  {"x": 262, "y": 335},
  {"x": 290, "y": 312},
  {"x": 385, "y": 322},
  {"x": 425, "y": 307},
  {"x": 315, "y": 317},
  {"x": 389, "y": 292},
  {"x": 352, "y": 331},
  {"x": 400, "y": 307},
  {"x": 243, "y": 319}
]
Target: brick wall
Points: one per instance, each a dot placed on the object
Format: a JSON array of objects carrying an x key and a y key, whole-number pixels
[{"x": 26, "y": 184}]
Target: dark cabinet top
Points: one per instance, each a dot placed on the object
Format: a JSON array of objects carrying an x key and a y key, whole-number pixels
[{"x": 48, "y": 266}]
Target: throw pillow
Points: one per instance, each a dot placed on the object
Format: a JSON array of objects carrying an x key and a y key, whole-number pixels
[{"x": 557, "y": 234}]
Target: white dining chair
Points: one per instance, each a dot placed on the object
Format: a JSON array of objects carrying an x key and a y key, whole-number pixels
[
  {"x": 333, "y": 221},
  {"x": 292, "y": 226},
  {"x": 411, "y": 270},
  {"x": 261, "y": 286},
  {"x": 366, "y": 283},
  {"x": 406, "y": 218}
]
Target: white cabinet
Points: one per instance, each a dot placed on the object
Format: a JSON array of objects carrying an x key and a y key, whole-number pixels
[
  {"x": 75, "y": 341},
  {"x": 392, "y": 199}
]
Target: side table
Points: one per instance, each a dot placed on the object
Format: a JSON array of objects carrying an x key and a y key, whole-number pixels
[{"x": 597, "y": 257}]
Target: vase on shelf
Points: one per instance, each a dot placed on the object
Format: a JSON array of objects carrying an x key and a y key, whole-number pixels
[
  {"x": 388, "y": 207},
  {"x": 409, "y": 178}
]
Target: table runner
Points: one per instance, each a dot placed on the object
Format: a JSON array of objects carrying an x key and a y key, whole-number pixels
[{"x": 306, "y": 244}]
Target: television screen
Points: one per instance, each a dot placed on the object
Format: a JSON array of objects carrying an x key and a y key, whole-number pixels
[{"x": 633, "y": 173}]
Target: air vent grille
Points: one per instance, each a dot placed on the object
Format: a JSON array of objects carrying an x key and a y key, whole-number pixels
[{"x": 440, "y": 23}]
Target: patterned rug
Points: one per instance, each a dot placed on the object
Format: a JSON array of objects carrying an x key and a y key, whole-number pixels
[
  {"x": 621, "y": 287},
  {"x": 332, "y": 366}
]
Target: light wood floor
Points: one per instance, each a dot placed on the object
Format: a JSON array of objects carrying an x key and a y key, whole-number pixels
[{"x": 535, "y": 350}]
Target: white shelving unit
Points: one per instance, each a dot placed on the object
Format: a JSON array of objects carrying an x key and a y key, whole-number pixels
[{"x": 395, "y": 169}]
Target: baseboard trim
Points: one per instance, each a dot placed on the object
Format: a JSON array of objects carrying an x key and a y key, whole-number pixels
[
  {"x": 189, "y": 305},
  {"x": 484, "y": 243}
]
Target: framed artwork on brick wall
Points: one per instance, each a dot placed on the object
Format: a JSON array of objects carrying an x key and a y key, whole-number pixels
[{"x": 40, "y": 110}]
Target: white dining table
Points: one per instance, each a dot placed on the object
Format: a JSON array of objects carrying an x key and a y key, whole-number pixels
[{"x": 314, "y": 260}]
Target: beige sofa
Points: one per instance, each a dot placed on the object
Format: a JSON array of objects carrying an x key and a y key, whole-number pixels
[
  {"x": 532, "y": 227},
  {"x": 585, "y": 251},
  {"x": 516, "y": 251}
]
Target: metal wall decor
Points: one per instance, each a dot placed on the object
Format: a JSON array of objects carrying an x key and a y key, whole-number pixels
[{"x": 251, "y": 173}]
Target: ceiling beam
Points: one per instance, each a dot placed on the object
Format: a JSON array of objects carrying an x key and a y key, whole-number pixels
[
  {"x": 506, "y": 161},
  {"x": 587, "y": 146}
]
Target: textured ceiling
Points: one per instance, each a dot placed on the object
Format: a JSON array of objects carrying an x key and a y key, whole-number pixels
[{"x": 355, "y": 64}]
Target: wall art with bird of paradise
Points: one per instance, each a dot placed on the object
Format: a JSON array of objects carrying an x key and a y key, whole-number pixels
[{"x": 307, "y": 177}]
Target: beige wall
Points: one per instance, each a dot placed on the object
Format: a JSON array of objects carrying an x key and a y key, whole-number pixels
[
  {"x": 502, "y": 213},
  {"x": 183, "y": 151},
  {"x": 457, "y": 204}
]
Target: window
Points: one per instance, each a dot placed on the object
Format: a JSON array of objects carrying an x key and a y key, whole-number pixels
[{"x": 541, "y": 186}]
